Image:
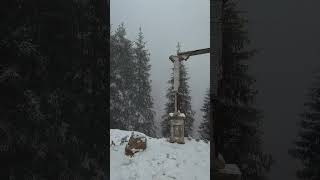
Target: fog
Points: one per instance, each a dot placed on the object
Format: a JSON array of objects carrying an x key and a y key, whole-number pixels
[
  {"x": 286, "y": 32},
  {"x": 164, "y": 24}
]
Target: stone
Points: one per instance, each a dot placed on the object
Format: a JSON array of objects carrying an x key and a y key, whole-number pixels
[
  {"x": 177, "y": 128},
  {"x": 137, "y": 143}
]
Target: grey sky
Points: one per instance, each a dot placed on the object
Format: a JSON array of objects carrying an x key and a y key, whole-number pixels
[
  {"x": 164, "y": 23},
  {"x": 287, "y": 32}
]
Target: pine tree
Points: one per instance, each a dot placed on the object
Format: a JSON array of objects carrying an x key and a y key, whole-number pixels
[
  {"x": 204, "y": 128},
  {"x": 116, "y": 97},
  {"x": 237, "y": 127},
  {"x": 122, "y": 108},
  {"x": 130, "y": 89},
  {"x": 307, "y": 145},
  {"x": 184, "y": 102},
  {"x": 144, "y": 115}
]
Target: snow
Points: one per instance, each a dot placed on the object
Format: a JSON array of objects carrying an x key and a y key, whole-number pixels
[
  {"x": 139, "y": 135},
  {"x": 179, "y": 114},
  {"x": 182, "y": 115},
  {"x": 117, "y": 135},
  {"x": 113, "y": 84},
  {"x": 135, "y": 150},
  {"x": 118, "y": 76},
  {"x": 120, "y": 95},
  {"x": 230, "y": 169},
  {"x": 160, "y": 161}
]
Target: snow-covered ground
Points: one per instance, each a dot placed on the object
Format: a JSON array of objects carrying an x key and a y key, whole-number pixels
[{"x": 160, "y": 161}]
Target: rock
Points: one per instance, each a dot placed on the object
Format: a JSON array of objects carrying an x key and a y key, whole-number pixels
[{"x": 136, "y": 143}]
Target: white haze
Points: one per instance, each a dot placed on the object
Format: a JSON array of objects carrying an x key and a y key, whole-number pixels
[{"x": 164, "y": 23}]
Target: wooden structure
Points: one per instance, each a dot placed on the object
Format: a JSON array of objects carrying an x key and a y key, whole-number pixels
[{"x": 177, "y": 118}]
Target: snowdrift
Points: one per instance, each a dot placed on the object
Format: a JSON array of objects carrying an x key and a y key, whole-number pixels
[{"x": 160, "y": 161}]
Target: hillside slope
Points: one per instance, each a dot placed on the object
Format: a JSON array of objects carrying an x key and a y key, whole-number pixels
[{"x": 160, "y": 161}]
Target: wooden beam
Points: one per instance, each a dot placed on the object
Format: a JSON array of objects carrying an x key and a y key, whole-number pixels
[{"x": 195, "y": 52}]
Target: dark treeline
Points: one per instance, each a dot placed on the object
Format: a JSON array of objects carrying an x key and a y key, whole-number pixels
[
  {"x": 307, "y": 145},
  {"x": 53, "y": 84},
  {"x": 238, "y": 122}
]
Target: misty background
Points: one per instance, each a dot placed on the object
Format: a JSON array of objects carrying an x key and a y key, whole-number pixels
[
  {"x": 287, "y": 34},
  {"x": 164, "y": 24}
]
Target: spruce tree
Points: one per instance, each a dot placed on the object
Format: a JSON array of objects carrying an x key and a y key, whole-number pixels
[
  {"x": 184, "y": 102},
  {"x": 115, "y": 80},
  {"x": 307, "y": 145},
  {"x": 122, "y": 80},
  {"x": 130, "y": 89},
  {"x": 144, "y": 115},
  {"x": 204, "y": 128},
  {"x": 237, "y": 127}
]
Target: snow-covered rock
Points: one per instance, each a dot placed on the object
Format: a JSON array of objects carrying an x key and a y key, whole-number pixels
[
  {"x": 137, "y": 143},
  {"x": 160, "y": 161}
]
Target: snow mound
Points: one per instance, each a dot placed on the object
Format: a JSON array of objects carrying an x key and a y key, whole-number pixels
[
  {"x": 117, "y": 136},
  {"x": 160, "y": 161}
]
